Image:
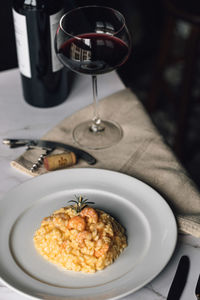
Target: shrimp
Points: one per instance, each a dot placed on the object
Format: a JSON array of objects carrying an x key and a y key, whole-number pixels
[
  {"x": 90, "y": 213},
  {"x": 102, "y": 250},
  {"x": 82, "y": 236},
  {"x": 77, "y": 223}
]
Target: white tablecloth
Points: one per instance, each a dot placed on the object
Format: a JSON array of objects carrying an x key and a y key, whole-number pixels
[{"x": 18, "y": 119}]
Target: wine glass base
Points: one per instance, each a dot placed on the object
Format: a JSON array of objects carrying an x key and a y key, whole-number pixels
[{"x": 106, "y": 138}]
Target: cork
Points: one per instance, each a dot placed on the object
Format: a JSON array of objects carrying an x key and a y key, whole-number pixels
[{"x": 59, "y": 161}]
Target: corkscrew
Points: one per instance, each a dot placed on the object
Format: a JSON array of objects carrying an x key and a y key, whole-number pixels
[
  {"x": 48, "y": 146},
  {"x": 40, "y": 160}
]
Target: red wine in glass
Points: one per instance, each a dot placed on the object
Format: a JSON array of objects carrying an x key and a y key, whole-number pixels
[
  {"x": 94, "y": 40},
  {"x": 94, "y": 53}
]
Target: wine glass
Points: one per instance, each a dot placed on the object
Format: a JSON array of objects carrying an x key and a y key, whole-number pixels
[{"x": 93, "y": 40}]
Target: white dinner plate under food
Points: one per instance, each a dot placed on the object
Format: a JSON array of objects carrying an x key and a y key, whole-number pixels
[{"x": 149, "y": 222}]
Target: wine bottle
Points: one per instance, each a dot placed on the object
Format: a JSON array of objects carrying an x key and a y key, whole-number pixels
[{"x": 44, "y": 79}]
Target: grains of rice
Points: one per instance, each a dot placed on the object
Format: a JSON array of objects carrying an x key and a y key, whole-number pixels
[{"x": 104, "y": 241}]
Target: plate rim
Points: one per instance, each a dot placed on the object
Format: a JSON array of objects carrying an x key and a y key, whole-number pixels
[{"x": 35, "y": 179}]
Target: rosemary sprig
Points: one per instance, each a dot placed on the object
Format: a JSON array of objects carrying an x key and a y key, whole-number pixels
[{"x": 80, "y": 203}]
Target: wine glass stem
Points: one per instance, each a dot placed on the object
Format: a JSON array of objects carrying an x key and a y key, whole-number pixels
[{"x": 96, "y": 120}]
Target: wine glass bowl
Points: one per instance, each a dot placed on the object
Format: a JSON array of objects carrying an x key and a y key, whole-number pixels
[{"x": 93, "y": 40}]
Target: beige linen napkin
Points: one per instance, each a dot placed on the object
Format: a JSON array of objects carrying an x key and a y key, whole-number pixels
[{"x": 141, "y": 153}]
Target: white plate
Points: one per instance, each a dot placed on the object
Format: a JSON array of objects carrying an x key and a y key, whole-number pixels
[{"x": 149, "y": 222}]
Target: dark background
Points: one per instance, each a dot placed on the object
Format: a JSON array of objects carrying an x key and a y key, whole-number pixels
[{"x": 145, "y": 20}]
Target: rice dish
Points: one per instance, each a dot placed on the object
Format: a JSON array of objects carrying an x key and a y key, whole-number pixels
[{"x": 88, "y": 240}]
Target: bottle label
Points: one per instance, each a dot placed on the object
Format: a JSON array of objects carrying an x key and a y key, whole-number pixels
[
  {"x": 21, "y": 37},
  {"x": 54, "y": 22}
]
